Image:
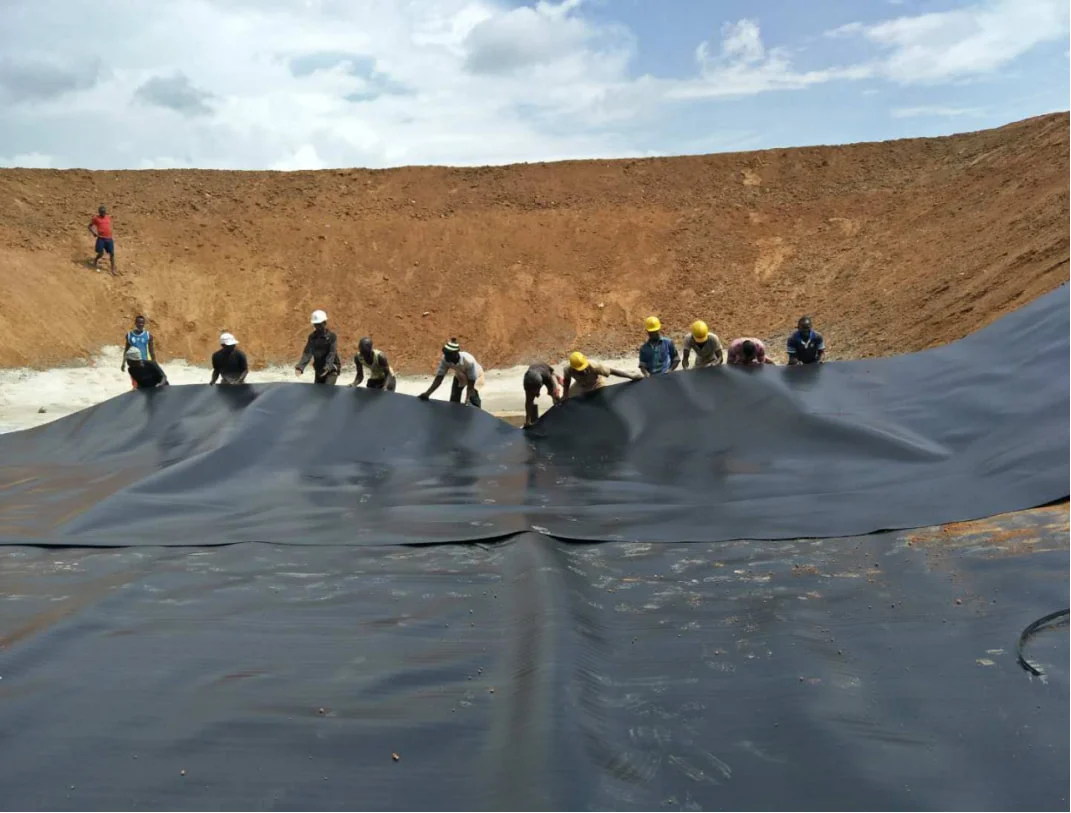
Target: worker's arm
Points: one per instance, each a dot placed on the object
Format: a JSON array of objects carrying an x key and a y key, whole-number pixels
[
  {"x": 215, "y": 373},
  {"x": 357, "y": 379},
  {"x": 687, "y": 356},
  {"x": 674, "y": 357},
  {"x": 435, "y": 384},
  {"x": 470, "y": 390},
  {"x": 551, "y": 385},
  {"x": 122, "y": 367},
  {"x": 152, "y": 347},
  {"x": 93, "y": 229},
  {"x": 332, "y": 352},
  {"x": 567, "y": 379},
  {"x": 163, "y": 376},
  {"x": 243, "y": 368},
  {"x": 384, "y": 362},
  {"x": 629, "y": 376},
  {"x": 719, "y": 353},
  {"x": 306, "y": 357}
]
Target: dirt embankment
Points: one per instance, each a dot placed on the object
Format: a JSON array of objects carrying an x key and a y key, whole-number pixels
[{"x": 892, "y": 247}]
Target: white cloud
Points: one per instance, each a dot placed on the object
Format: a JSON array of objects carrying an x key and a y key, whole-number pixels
[
  {"x": 935, "y": 111},
  {"x": 321, "y": 83},
  {"x": 29, "y": 160},
  {"x": 742, "y": 65},
  {"x": 976, "y": 39}
]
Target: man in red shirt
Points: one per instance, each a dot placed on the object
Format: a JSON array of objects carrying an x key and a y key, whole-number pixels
[
  {"x": 747, "y": 352},
  {"x": 101, "y": 228}
]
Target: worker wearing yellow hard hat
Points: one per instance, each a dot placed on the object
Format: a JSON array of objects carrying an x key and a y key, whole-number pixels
[
  {"x": 706, "y": 346},
  {"x": 658, "y": 355},
  {"x": 581, "y": 375}
]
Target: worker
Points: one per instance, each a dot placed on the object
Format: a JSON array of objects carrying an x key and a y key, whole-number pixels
[
  {"x": 141, "y": 340},
  {"x": 536, "y": 377},
  {"x": 145, "y": 373},
  {"x": 706, "y": 346},
  {"x": 468, "y": 375},
  {"x": 380, "y": 375},
  {"x": 747, "y": 352},
  {"x": 229, "y": 364},
  {"x": 658, "y": 355},
  {"x": 806, "y": 345},
  {"x": 100, "y": 226},
  {"x": 322, "y": 350},
  {"x": 582, "y": 376}
]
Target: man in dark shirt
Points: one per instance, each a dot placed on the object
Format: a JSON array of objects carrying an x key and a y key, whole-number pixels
[
  {"x": 536, "y": 377},
  {"x": 144, "y": 373},
  {"x": 229, "y": 364},
  {"x": 322, "y": 350},
  {"x": 806, "y": 345}
]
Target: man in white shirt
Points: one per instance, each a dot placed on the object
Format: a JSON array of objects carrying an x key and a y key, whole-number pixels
[{"x": 468, "y": 375}]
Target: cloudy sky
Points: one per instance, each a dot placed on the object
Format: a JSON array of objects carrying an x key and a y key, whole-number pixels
[{"x": 306, "y": 84}]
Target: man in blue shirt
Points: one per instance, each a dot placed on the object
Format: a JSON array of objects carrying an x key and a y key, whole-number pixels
[
  {"x": 658, "y": 354},
  {"x": 141, "y": 340},
  {"x": 805, "y": 346}
]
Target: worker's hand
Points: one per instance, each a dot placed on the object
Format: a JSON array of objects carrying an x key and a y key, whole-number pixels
[
  {"x": 298, "y": 370},
  {"x": 122, "y": 367},
  {"x": 424, "y": 396},
  {"x": 638, "y": 377}
]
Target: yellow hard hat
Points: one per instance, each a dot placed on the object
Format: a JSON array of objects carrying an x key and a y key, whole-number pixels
[
  {"x": 700, "y": 331},
  {"x": 579, "y": 362},
  {"x": 652, "y": 324}
]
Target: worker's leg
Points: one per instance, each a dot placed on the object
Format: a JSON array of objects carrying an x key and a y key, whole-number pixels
[
  {"x": 456, "y": 388},
  {"x": 531, "y": 409},
  {"x": 111, "y": 255}
]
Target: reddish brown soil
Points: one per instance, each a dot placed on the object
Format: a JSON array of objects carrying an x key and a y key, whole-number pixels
[{"x": 892, "y": 247}]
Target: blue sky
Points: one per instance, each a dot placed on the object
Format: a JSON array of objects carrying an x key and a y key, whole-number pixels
[{"x": 307, "y": 84}]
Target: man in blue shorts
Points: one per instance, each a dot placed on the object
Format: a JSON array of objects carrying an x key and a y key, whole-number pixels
[
  {"x": 101, "y": 228},
  {"x": 806, "y": 345}
]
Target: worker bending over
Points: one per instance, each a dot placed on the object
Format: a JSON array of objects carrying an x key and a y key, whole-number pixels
[
  {"x": 583, "y": 376},
  {"x": 229, "y": 364},
  {"x": 536, "y": 377},
  {"x": 380, "y": 375},
  {"x": 322, "y": 350},
  {"x": 144, "y": 373},
  {"x": 658, "y": 355},
  {"x": 806, "y": 345},
  {"x": 706, "y": 346},
  {"x": 747, "y": 353},
  {"x": 468, "y": 375}
]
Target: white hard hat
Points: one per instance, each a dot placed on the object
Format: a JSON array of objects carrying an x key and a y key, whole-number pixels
[
  {"x": 318, "y": 317},
  {"x": 227, "y": 339}
]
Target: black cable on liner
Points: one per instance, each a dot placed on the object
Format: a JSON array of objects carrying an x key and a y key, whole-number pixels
[{"x": 1031, "y": 630}]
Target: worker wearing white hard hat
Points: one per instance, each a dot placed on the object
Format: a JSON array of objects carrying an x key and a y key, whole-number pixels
[
  {"x": 322, "y": 350},
  {"x": 229, "y": 364}
]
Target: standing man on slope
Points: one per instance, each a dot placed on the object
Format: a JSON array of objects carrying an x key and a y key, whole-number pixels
[
  {"x": 380, "y": 375},
  {"x": 658, "y": 354},
  {"x": 141, "y": 340},
  {"x": 806, "y": 345},
  {"x": 229, "y": 364},
  {"x": 101, "y": 228},
  {"x": 706, "y": 346},
  {"x": 322, "y": 350},
  {"x": 468, "y": 375}
]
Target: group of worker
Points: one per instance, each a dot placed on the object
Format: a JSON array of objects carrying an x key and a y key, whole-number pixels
[{"x": 659, "y": 356}]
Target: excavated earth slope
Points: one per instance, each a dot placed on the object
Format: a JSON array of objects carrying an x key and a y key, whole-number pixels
[{"x": 892, "y": 247}]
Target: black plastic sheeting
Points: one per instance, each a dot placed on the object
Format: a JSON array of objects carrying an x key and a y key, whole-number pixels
[
  {"x": 971, "y": 429},
  {"x": 733, "y": 642},
  {"x": 835, "y": 674}
]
